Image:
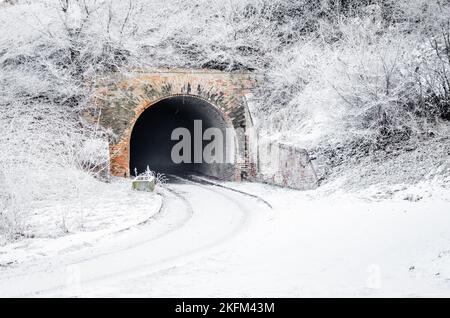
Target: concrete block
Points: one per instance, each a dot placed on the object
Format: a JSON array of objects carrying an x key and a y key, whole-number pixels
[{"x": 144, "y": 185}]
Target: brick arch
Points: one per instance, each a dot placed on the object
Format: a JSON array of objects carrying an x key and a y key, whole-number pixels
[
  {"x": 121, "y": 100},
  {"x": 149, "y": 103},
  {"x": 145, "y": 105}
]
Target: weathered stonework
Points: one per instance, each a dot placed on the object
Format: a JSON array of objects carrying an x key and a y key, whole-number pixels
[
  {"x": 120, "y": 100},
  {"x": 286, "y": 166}
]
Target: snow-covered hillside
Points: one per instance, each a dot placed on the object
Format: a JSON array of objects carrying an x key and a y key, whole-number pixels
[{"x": 362, "y": 85}]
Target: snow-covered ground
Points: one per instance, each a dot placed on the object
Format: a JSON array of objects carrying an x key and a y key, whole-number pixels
[
  {"x": 336, "y": 244},
  {"x": 210, "y": 241},
  {"x": 58, "y": 227}
]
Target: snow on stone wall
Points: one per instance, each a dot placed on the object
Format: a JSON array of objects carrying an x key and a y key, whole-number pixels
[{"x": 286, "y": 166}]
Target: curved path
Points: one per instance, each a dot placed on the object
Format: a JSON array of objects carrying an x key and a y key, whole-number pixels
[{"x": 195, "y": 220}]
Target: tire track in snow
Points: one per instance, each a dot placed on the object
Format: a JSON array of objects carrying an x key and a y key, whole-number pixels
[
  {"x": 205, "y": 228},
  {"x": 160, "y": 217}
]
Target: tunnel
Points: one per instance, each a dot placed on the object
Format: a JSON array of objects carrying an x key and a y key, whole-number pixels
[{"x": 182, "y": 127}]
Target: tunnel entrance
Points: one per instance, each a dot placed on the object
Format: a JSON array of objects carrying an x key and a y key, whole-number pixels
[{"x": 152, "y": 144}]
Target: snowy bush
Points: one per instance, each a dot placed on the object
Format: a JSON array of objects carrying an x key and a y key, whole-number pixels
[
  {"x": 148, "y": 175},
  {"x": 363, "y": 78},
  {"x": 433, "y": 71},
  {"x": 48, "y": 150}
]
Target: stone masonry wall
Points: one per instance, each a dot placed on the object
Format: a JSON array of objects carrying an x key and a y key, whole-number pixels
[
  {"x": 286, "y": 166},
  {"x": 120, "y": 100}
]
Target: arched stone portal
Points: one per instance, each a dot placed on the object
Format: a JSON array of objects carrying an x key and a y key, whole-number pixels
[
  {"x": 139, "y": 107},
  {"x": 152, "y": 145}
]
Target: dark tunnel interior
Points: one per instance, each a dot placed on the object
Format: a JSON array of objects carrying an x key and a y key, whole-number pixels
[{"x": 151, "y": 144}]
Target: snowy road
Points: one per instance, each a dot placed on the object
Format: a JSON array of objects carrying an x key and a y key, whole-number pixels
[
  {"x": 195, "y": 220},
  {"x": 208, "y": 241}
]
